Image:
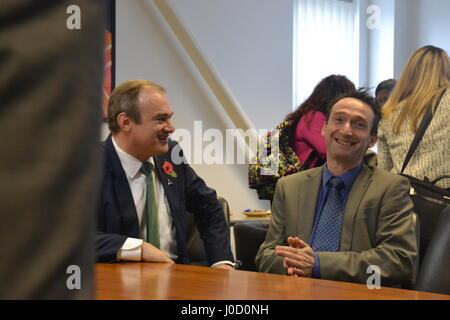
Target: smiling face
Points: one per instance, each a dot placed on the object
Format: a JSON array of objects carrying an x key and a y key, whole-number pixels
[
  {"x": 347, "y": 132},
  {"x": 150, "y": 137}
]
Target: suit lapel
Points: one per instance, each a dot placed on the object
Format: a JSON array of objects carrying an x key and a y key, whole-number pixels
[
  {"x": 170, "y": 185},
  {"x": 355, "y": 196},
  {"x": 307, "y": 203},
  {"x": 122, "y": 192}
]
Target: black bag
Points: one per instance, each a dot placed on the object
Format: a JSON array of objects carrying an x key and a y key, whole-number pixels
[{"x": 429, "y": 200}]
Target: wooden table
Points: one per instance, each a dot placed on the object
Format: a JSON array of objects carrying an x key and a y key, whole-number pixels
[{"x": 181, "y": 282}]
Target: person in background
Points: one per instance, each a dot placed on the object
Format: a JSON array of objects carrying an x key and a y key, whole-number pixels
[
  {"x": 424, "y": 80},
  {"x": 383, "y": 91},
  {"x": 308, "y": 120},
  {"x": 146, "y": 193},
  {"x": 300, "y": 143},
  {"x": 335, "y": 221}
]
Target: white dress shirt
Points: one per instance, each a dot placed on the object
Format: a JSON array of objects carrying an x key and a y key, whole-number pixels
[{"x": 131, "y": 249}]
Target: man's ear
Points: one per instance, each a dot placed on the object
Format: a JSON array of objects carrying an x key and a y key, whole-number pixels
[
  {"x": 373, "y": 141},
  {"x": 323, "y": 129},
  {"x": 124, "y": 122}
]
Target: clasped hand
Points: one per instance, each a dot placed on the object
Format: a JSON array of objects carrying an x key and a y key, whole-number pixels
[{"x": 298, "y": 257}]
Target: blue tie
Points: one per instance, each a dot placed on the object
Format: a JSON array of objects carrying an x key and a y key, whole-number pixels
[{"x": 328, "y": 232}]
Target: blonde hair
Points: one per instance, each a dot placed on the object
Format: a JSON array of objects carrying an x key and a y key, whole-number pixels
[
  {"x": 424, "y": 79},
  {"x": 124, "y": 98}
]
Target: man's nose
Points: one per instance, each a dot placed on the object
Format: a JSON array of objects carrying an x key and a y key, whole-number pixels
[
  {"x": 347, "y": 128},
  {"x": 170, "y": 128}
]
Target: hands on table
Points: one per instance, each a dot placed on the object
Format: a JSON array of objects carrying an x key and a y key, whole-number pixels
[{"x": 298, "y": 257}]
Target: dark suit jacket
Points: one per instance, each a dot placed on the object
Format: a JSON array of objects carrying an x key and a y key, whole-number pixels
[{"x": 117, "y": 217}]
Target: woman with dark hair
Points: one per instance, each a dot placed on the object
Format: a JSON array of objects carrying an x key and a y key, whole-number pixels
[
  {"x": 383, "y": 90},
  {"x": 300, "y": 144},
  {"x": 309, "y": 118}
]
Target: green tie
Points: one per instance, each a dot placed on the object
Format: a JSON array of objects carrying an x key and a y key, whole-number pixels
[{"x": 151, "y": 210}]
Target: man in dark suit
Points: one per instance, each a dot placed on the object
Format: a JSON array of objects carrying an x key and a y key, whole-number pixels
[{"x": 139, "y": 118}]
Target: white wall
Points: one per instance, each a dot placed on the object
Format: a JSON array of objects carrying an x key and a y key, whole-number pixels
[
  {"x": 406, "y": 25},
  {"x": 258, "y": 72},
  {"x": 419, "y": 23},
  {"x": 405, "y": 33},
  {"x": 377, "y": 43},
  {"x": 364, "y": 49},
  {"x": 433, "y": 23},
  {"x": 381, "y": 63},
  {"x": 249, "y": 43}
]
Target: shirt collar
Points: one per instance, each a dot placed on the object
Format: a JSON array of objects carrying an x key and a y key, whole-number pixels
[
  {"x": 348, "y": 178},
  {"x": 130, "y": 164}
]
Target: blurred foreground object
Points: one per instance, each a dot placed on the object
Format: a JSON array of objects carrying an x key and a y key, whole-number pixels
[{"x": 50, "y": 102}]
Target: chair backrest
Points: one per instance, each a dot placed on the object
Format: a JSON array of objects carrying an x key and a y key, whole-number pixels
[
  {"x": 434, "y": 272},
  {"x": 248, "y": 237},
  {"x": 428, "y": 214},
  {"x": 416, "y": 225},
  {"x": 194, "y": 244}
]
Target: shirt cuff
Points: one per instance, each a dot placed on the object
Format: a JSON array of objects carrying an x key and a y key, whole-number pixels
[
  {"x": 224, "y": 262},
  {"x": 316, "y": 267},
  {"x": 131, "y": 250}
]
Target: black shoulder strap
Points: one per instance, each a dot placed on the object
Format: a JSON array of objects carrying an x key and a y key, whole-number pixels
[
  {"x": 312, "y": 155},
  {"x": 420, "y": 132}
]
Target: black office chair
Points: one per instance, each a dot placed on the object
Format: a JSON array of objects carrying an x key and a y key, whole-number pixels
[
  {"x": 434, "y": 272},
  {"x": 416, "y": 224},
  {"x": 428, "y": 219},
  {"x": 248, "y": 237},
  {"x": 194, "y": 243}
]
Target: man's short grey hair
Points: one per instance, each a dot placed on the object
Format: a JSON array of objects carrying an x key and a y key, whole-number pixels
[{"x": 124, "y": 99}]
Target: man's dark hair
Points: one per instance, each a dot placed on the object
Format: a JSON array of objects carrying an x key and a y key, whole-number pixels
[{"x": 364, "y": 96}]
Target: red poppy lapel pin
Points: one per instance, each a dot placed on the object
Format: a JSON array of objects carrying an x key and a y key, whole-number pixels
[{"x": 168, "y": 169}]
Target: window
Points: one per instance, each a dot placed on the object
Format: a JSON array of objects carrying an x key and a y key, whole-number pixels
[{"x": 326, "y": 41}]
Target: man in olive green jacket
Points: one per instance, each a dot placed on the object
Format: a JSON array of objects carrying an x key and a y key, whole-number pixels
[{"x": 376, "y": 225}]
